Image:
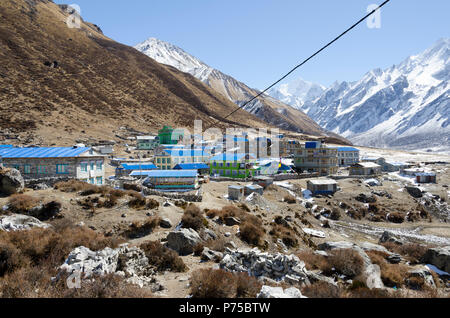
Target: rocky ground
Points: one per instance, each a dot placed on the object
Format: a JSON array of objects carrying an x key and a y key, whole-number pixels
[{"x": 382, "y": 238}]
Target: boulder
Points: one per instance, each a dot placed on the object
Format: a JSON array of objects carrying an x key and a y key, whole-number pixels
[
  {"x": 423, "y": 273},
  {"x": 439, "y": 257},
  {"x": 374, "y": 247},
  {"x": 366, "y": 198},
  {"x": 329, "y": 246},
  {"x": 18, "y": 222},
  {"x": 183, "y": 241},
  {"x": 46, "y": 211},
  {"x": 278, "y": 292},
  {"x": 211, "y": 256},
  {"x": 166, "y": 223},
  {"x": 209, "y": 235},
  {"x": 414, "y": 192},
  {"x": 373, "y": 276},
  {"x": 11, "y": 181},
  {"x": 390, "y": 237},
  {"x": 394, "y": 258}
]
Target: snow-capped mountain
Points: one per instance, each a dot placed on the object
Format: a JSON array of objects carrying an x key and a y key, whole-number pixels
[
  {"x": 297, "y": 92},
  {"x": 265, "y": 107},
  {"x": 406, "y": 106}
]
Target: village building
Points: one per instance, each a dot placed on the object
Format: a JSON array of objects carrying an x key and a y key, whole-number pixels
[
  {"x": 170, "y": 180},
  {"x": 167, "y": 159},
  {"x": 253, "y": 188},
  {"x": 233, "y": 165},
  {"x": 426, "y": 177},
  {"x": 56, "y": 162},
  {"x": 169, "y": 136},
  {"x": 412, "y": 172},
  {"x": 387, "y": 166},
  {"x": 125, "y": 169},
  {"x": 315, "y": 157},
  {"x": 347, "y": 156},
  {"x": 147, "y": 142},
  {"x": 322, "y": 186},
  {"x": 235, "y": 193},
  {"x": 202, "y": 168},
  {"x": 289, "y": 148},
  {"x": 263, "y": 181},
  {"x": 365, "y": 169}
]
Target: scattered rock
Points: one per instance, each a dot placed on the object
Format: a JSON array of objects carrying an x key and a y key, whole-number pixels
[
  {"x": 210, "y": 255},
  {"x": 414, "y": 192},
  {"x": 18, "y": 222},
  {"x": 209, "y": 235},
  {"x": 373, "y": 276},
  {"x": 364, "y": 198},
  {"x": 231, "y": 221},
  {"x": 165, "y": 223},
  {"x": 278, "y": 292},
  {"x": 183, "y": 241},
  {"x": 423, "y": 273},
  {"x": 439, "y": 257},
  {"x": 394, "y": 259},
  {"x": 390, "y": 237},
  {"x": 11, "y": 181}
]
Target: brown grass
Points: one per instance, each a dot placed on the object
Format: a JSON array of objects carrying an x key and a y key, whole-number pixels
[
  {"x": 346, "y": 262},
  {"x": 313, "y": 261},
  {"x": 392, "y": 275},
  {"x": 163, "y": 258},
  {"x": 193, "y": 218},
  {"x": 290, "y": 199},
  {"x": 396, "y": 217},
  {"x": 413, "y": 252},
  {"x": 321, "y": 289},
  {"x": 21, "y": 203},
  {"x": 141, "y": 229},
  {"x": 210, "y": 283},
  {"x": 284, "y": 233}
]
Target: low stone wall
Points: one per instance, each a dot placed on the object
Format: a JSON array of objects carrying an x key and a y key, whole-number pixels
[
  {"x": 354, "y": 177},
  {"x": 277, "y": 177},
  {"x": 188, "y": 197}
]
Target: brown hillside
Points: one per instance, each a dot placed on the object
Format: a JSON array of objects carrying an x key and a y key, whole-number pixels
[{"x": 98, "y": 86}]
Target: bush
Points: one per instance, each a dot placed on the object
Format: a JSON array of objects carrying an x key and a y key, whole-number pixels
[
  {"x": 335, "y": 215},
  {"x": 396, "y": 217},
  {"x": 321, "y": 289},
  {"x": 10, "y": 259},
  {"x": 218, "y": 245},
  {"x": 21, "y": 203},
  {"x": 141, "y": 229},
  {"x": 210, "y": 283},
  {"x": 138, "y": 202},
  {"x": 290, "y": 199},
  {"x": 314, "y": 261},
  {"x": 152, "y": 204},
  {"x": 163, "y": 258},
  {"x": 413, "y": 252},
  {"x": 284, "y": 233},
  {"x": 346, "y": 262},
  {"x": 193, "y": 218}
]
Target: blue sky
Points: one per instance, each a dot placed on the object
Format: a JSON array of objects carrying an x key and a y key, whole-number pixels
[{"x": 257, "y": 41}]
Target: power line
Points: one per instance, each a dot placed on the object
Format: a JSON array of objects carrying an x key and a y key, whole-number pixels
[{"x": 309, "y": 58}]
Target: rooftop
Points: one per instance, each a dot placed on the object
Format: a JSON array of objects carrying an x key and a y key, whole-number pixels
[
  {"x": 231, "y": 157},
  {"x": 166, "y": 173},
  {"x": 191, "y": 166},
  {"x": 323, "y": 181},
  {"x": 137, "y": 166},
  {"x": 43, "y": 152},
  {"x": 185, "y": 152},
  {"x": 368, "y": 165}
]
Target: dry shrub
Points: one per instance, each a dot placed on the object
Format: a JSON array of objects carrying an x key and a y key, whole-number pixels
[
  {"x": 335, "y": 214},
  {"x": 244, "y": 207},
  {"x": 356, "y": 214},
  {"x": 152, "y": 204},
  {"x": 413, "y": 252},
  {"x": 10, "y": 259},
  {"x": 346, "y": 262},
  {"x": 198, "y": 249},
  {"x": 396, "y": 217},
  {"x": 392, "y": 275},
  {"x": 193, "y": 218},
  {"x": 163, "y": 258},
  {"x": 21, "y": 203},
  {"x": 141, "y": 229},
  {"x": 284, "y": 233},
  {"x": 314, "y": 261},
  {"x": 138, "y": 201},
  {"x": 247, "y": 286},
  {"x": 364, "y": 292},
  {"x": 290, "y": 199},
  {"x": 218, "y": 245},
  {"x": 210, "y": 283},
  {"x": 321, "y": 289}
]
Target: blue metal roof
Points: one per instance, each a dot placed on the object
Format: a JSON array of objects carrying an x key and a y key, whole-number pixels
[
  {"x": 146, "y": 166},
  {"x": 229, "y": 157},
  {"x": 42, "y": 152},
  {"x": 185, "y": 152},
  {"x": 6, "y": 146},
  {"x": 347, "y": 149},
  {"x": 191, "y": 166},
  {"x": 166, "y": 173}
]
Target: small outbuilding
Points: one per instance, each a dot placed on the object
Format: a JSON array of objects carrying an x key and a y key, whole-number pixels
[
  {"x": 235, "y": 193},
  {"x": 365, "y": 169},
  {"x": 263, "y": 181},
  {"x": 426, "y": 177},
  {"x": 322, "y": 186},
  {"x": 254, "y": 188}
]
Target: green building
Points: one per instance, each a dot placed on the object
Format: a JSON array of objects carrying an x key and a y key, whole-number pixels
[
  {"x": 234, "y": 165},
  {"x": 170, "y": 136},
  {"x": 147, "y": 142}
]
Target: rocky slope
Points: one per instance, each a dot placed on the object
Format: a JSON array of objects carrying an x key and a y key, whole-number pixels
[
  {"x": 268, "y": 109},
  {"x": 96, "y": 85},
  {"x": 406, "y": 106}
]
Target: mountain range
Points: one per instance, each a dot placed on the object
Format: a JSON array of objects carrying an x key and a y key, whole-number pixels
[{"x": 406, "y": 106}]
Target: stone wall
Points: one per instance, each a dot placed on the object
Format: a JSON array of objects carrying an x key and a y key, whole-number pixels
[
  {"x": 278, "y": 177},
  {"x": 189, "y": 197}
]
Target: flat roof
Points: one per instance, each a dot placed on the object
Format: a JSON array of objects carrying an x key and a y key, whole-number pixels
[
  {"x": 42, "y": 152},
  {"x": 323, "y": 181},
  {"x": 167, "y": 173},
  {"x": 367, "y": 165},
  {"x": 137, "y": 166}
]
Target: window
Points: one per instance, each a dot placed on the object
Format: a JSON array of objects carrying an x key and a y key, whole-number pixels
[
  {"x": 27, "y": 169},
  {"x": 221, "y": 165},
  {"x": 42, "y": 169},
  {"x": 99, "y": 180},
  {"x": 168, "y": 160},
  {"x": 92, "y": 165},
  {"x": 163, "y": 160},
  {"x": 235, "y": 173},
  {"x": 84, "y": 167},
  {"x": 158, "y": 160},
  {"x": 214, "y": 164},
  {"x": 91, "y": 180},
  {"x": 62, "y": 169},
  {"x": 99, "y": 165},
  {"x": 221, "y": 172},
  {"x": 228, "y": 165}
]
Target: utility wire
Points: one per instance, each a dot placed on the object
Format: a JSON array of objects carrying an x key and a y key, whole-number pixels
[{"x": 309, "y": 58}]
